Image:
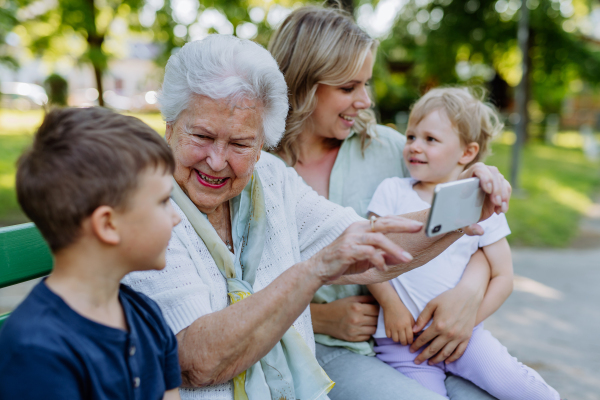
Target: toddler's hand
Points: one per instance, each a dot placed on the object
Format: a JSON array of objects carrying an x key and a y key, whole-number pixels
[{"x": 399, "y": 323}]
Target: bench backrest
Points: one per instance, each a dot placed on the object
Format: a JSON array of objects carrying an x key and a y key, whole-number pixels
[{"x": 24, "y": 255}]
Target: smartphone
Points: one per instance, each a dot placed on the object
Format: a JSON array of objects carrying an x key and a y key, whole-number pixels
[{"x": 455, "y": 205}]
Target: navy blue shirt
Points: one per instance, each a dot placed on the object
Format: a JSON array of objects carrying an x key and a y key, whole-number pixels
[{"x": 50, "y": 352}]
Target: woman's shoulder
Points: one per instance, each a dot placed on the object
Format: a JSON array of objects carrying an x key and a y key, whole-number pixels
[
  {"x": 385, "y": 144},
  {"x": 389, "y": 135},
  {"x": 273, "y": 170},
  {"x": 276, "y": 177},
  {"x": 270, "y": 161}
]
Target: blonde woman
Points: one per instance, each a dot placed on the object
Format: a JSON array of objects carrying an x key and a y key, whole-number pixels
[{"x": 334, "y": 143}]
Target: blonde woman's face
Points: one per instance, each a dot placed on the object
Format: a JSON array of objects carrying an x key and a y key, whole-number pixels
[{"x": 338, "y": 106}]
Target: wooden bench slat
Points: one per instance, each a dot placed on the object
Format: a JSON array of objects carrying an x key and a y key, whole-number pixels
[{"x": 24, "y": 255}]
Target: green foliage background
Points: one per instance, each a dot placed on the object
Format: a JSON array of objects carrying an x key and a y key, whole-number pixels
[
  {"x": 416, "y": 56},
  {"x": 431, "y": 43}
]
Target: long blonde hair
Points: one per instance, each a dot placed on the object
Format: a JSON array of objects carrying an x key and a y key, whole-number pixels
[{"x": 316, "y": 45}]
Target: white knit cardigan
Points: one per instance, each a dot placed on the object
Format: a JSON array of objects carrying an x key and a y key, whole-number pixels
[{"x": 299, "y": 224}]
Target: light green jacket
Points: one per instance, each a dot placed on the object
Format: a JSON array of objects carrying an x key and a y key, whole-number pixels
[{"x": 353, "y": 181}]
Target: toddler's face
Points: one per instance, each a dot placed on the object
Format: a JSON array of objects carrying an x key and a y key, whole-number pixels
[{"x": 433, "y": 149}]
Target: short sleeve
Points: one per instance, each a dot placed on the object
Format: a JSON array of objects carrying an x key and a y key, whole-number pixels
[
  {"x": 28, "y": 372},
  {"x": 495, "y": 228},
  {"x": 167, "y": 344},
  {"x": 172, "y": 369},
  {"x": 386, "y": 198}
]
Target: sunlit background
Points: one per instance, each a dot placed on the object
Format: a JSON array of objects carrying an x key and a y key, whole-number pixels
[
  {"x": 63, "y": 52},
  {"x": 423, "y": 43},
  {"x": 110, "y": 52}
]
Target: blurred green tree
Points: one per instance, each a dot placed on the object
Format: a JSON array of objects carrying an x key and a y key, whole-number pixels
[
  {"x": 8, "y": 9},
  {"x": 76, "y": 27},
  {"x": 89, "y": 29},
  {"x": 58, "y": 90},
  {"x": 432, "y": 42},
  {"x": 474, "y": 42}
]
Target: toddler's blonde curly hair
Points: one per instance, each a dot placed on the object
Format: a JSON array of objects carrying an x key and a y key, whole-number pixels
[{"x": 474, "y": 119}]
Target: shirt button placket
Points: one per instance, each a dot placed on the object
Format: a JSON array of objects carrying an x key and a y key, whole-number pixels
[{"x": 134, "y": 367}]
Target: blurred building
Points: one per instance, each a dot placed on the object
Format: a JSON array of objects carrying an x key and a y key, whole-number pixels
[
  {"x": 130, "y": 83},
  {"x": 581, "y": 110}
]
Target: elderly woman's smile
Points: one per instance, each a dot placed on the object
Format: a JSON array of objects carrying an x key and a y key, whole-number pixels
[
  {"x": 216, "y": 144},
  {"x": 211, "y": 181}
]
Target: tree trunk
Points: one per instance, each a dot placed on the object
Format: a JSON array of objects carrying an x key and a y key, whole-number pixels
[
  {"x": 527, "y": 77},
  {"x": 521, "y": 96},
  {"x": 98, "y": 73},
  {"x": 96, "y": 55}
]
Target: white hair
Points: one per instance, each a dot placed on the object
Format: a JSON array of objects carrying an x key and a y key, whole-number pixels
[{"x": 224, "y": 66}]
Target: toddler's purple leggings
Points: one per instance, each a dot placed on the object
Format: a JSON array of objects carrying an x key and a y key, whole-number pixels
[{"x": 486, "y": 363}]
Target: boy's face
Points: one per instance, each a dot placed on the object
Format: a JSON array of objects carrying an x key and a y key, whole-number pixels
[
  {"x": 433, "y": 149},
  {"x": 146, "y": 223}
]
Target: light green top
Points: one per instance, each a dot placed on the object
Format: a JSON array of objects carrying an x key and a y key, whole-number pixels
[{"x": 353, "y": 181}]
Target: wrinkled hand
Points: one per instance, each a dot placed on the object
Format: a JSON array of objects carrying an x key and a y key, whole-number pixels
[
  {"x": 399, "y": 323},
  {"x": 454, "y": 313},
  {"x": 497, "y": 190},
  {"x": 359, "y": 248},
  {"x": 353, "y": 318}
]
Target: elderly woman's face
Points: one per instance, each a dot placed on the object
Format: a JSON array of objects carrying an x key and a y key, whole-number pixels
[{"x": 216, "y": 146}]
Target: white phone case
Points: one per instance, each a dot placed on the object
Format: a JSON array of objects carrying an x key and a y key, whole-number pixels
[{"x": 455, "y": 205}]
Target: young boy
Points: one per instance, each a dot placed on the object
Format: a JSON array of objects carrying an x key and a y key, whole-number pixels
[
  {"x": 97, "y": 186},
  {"x": 448, "y": 130}
]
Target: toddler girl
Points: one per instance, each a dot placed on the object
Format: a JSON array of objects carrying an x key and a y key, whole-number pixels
[{"x": 448, "y": 130}]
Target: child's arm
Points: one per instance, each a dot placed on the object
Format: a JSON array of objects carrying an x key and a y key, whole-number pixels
[
  {"x": 398, "y": 320},
  {"x": 172, "y": 394},
  {"x": 454, "y": 313},
  {"x": 501, "y": 279}
]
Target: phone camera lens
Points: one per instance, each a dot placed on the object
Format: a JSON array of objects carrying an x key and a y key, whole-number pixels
[{"x": 436, "y": 229}]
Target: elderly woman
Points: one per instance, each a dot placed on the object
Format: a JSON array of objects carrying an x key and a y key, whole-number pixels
[{"x": 255, "y": 242}]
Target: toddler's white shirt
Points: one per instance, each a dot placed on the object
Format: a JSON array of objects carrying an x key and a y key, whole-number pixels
[{"x": 416, "y": 288}]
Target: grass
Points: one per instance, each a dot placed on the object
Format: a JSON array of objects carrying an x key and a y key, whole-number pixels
[
  {"x": 558, "y": 182},
  {"x": 558, "y": 186},
  {"x": 16, "y": 133},
  {"x": 11, "y": 146}
]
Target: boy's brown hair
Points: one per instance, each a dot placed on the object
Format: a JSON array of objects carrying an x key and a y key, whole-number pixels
[
  {"x": 81, "y": 159},
  {"x": 473, "y": 118}
]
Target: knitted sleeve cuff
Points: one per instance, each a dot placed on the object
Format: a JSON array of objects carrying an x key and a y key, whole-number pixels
[{"x": 181, "y": 315}]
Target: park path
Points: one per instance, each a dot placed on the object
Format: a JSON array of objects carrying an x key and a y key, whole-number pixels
[{"x": 551, "y": 322}]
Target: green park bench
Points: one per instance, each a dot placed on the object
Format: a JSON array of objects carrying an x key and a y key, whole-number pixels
[{"x": 24, "y": 255}]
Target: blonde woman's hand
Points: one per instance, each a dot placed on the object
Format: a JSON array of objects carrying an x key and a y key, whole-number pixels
[
  {"x": 453, "y": 313},
  {"x": 353, "y": 318},
  {"x": 497, "y": 189}
]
